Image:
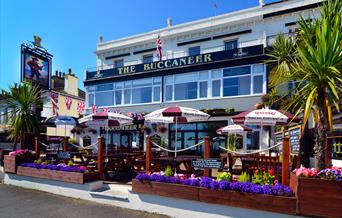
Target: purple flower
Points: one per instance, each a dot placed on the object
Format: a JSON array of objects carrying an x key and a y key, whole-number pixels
[
  {"x": 215, "y": 185},
  {"x": 236, "y": 186},
  {"x": 224, "y": 185},
  {"x": 205, "y": 182},
  {"x": 281, "y": 190},
  {"x": 190, "y": 181},
  {"x": 174, "y": 180},
  {"x": 143, "y": 177},
  {"x": 267, "y": 189}
]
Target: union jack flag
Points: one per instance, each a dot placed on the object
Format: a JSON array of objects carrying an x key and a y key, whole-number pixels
[
  {"x": 54, "y": 101},
  {"x": 129, "y": 114},
  {"x": 116, "y": 111},
  {"x": 94, "y": 108},
  {"x": 159, "y": 48},
  {"x": 68, "y": 102},
  {"x": 106, "y": 109},
  {"x": 80, "y": 106}
]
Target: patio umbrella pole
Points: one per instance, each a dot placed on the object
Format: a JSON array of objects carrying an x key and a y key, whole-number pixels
[
  {"x": 176, "y": 140},
  {"x": 107, "y": 139}
]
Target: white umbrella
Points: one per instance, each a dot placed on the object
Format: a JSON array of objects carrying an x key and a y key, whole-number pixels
[
  {"x": 176, "y": 114},
  {"x": 106, "y": 119},
  {"x": 264, "y": 117},
  {"x": 233, "y": 129}
]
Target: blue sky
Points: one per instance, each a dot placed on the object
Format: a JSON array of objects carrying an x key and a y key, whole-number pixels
[{"x": 70, "y": 28}]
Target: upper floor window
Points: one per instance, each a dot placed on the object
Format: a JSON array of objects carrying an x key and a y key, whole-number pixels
[
  {"x": 147, "y": 58},
  {"x": 118, "y": 63},
  {"x": 196, "y": 50},
  {"x": 231, "y": 44}
]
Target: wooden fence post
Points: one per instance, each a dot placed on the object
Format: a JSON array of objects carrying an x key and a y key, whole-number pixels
[
  {"x": 207, "y": 153},
  {"x": 285, "y": 176},
  {"x": 100, "y": 141},
  {"x": 37, "y": 147},
  {"x": 148, "y": 154},
  {"x": 65, "y": 144}
]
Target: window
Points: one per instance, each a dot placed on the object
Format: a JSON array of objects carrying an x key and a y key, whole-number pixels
[
  {"x": 203, "y": 89},
  {"x": 90, "y": 100},
  {"x": 118, "y": 63},
  {"x": 147, "y": 58},
  {"x": 185, "y": 91},
  {"x": 104, "y": 95},
  {"x": 257, "y": 84},
  {"x": 216, "y": 88},
  {"x": 229, "y": 45},
  {"x": 196, "y": 50},
  {"x": 237, "y": 81}
]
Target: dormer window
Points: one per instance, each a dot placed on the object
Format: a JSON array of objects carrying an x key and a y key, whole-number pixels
[
  {"x": 147, "y": 58},
  {"x": 231, "y": 44},
  {"x": 118, "y": 63},
  {"x": 196, "y": 50}
]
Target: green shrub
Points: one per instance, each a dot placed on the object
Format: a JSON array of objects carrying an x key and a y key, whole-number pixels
[
  {"x": 70, "y": 163},
  {"x": 168, "y": 171},
  {"x": 39, "y": 161},
  {"x": 244, "y": 177},
  {"x": 224, "y": 176}
]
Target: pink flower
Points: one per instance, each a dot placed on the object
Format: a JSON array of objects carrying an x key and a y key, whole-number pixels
[{"x": 306, "y": 172}]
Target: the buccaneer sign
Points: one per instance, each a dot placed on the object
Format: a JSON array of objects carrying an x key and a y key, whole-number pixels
[{"x": 178, "y": 62}]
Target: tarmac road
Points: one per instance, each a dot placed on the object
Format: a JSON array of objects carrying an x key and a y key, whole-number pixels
[{"x": 17, "y": 202}]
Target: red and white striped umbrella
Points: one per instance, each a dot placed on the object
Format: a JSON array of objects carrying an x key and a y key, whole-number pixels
[
  {"x": 105, "y": 119},
  {"x": 233, "y": 129},
  {"x": 264, "y": 117},
  {"x": 176, "y": 114}
]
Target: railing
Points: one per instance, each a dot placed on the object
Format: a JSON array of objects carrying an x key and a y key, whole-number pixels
[
  {"x": 271, "y": 39},
  {"x": 179, "y": 54}
]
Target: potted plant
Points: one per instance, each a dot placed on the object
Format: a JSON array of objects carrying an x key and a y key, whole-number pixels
[
  {"x": 318, "y": 193},
  {"x": 15, "y": 158}
]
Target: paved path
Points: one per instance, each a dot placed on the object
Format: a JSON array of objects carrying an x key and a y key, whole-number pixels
[{"x": 17, "y": 202}]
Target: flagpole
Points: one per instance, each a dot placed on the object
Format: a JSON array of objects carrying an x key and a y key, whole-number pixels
[{"x": 176, "y": 140}]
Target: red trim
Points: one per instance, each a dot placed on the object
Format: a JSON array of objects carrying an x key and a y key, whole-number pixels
[{"x": 173, "y": 111}]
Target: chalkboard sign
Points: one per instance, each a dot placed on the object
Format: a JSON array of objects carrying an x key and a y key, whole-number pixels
[
  {"x": 295, "y": 134},
  {"x": 207, "y": 163}
]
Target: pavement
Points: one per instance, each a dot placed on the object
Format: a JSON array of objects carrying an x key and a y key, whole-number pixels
[{"x": 19, "y": 202}]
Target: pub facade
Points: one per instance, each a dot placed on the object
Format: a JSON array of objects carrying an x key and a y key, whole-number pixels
[{"x": 216, "y": 65}]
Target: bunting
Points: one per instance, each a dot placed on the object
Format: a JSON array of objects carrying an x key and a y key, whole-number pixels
[
  {"x": 94, "y": 108},
  {"x": 54, "y": 101},
  {"x": 80, "y": 106},
  {"x": 68, "y": 102}
]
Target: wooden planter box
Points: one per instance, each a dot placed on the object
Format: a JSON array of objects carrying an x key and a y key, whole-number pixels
[
  {"x": 317, "y": 197},
  {"x": 271, "y": 203},
  {"x": 72, "y": 177},
  {"x": 166, "y": 189},
  {"x": 12, "y": 162},
  {"x": 230, "y": 198}
]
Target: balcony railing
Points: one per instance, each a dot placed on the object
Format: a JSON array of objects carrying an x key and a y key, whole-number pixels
[{"x": 179, "y": 54}]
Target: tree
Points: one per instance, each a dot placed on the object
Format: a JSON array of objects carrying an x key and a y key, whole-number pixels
[
  {"x": 313, "y": 59},
  {"x": 21, "y": 103}
]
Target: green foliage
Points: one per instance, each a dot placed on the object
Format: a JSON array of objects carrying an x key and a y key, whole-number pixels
[
  {"x": 20, "y": 103},
  {"x": 38, "y": 161},
  {"x": 313, "y": 59},
  {"x": 224, "y": 176},
  {"x": 70, "y": 163},
  {"x": 263, "y": 178},
  {"x": 168, "y": 171},
  {"x": 72, "y": 141},
  {"x": 234, "y": 142},
  {"x": 244, "y": 177}
]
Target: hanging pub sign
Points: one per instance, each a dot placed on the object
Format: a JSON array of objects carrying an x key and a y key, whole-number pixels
[{"x": 35, "y": 63}]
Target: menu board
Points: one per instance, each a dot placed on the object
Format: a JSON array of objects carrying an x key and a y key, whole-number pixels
[
  {"x": 295, "y": 134},
  {"x": 278, "y": 137}
]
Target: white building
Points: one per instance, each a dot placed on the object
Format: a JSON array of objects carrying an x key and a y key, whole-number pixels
[{"x": 213, "y": 63}]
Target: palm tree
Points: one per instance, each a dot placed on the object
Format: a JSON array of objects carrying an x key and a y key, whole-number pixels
[
  {"x": 21, "y": 103},
  {"x": 313, "y": 59}
]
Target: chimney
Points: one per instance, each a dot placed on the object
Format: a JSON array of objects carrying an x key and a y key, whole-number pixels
[
  {"x": 71, "y": 83},
  {"x": 63, "y": 74},
  {"x": 169, "y": 22},
  {"x": 59, "y": 74},
  {"x": 56, "y": 73},
  {"x": 100, "y": 39}
]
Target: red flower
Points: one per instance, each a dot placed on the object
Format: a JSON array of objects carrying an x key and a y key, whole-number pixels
[{"x": 271, "y": 172}]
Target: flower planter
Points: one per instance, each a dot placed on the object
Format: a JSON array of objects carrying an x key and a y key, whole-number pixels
[
  {"x": 317, "y": 197},
  {"x": 230, "y": 198},
  {"x": 12, "y": 162},
  {"x": 72, "y": 177},
  {"x": 166, "y": 189},
  {"x": 271, "y": 203}
]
